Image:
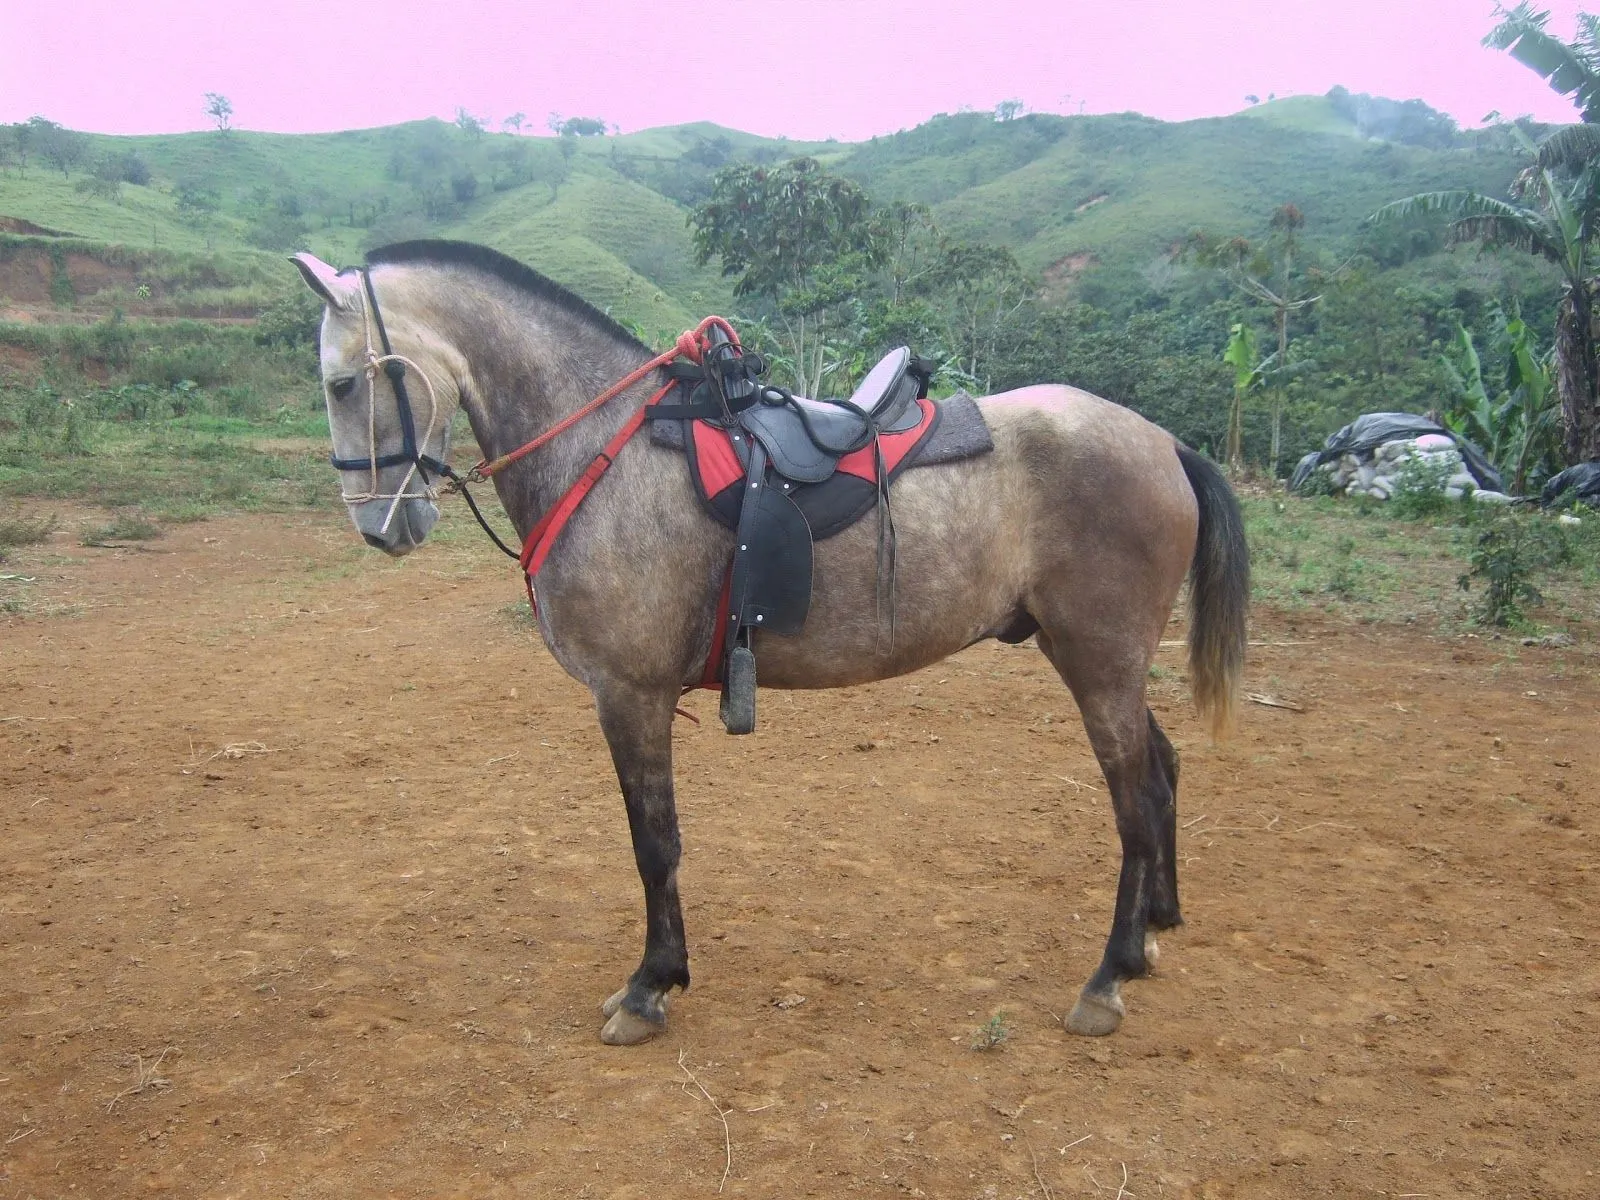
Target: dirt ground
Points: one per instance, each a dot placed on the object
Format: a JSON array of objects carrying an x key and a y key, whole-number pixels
[{"x": 314, "y": 874}]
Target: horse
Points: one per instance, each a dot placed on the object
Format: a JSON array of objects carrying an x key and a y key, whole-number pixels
[{"x": 1078, "y": 529}]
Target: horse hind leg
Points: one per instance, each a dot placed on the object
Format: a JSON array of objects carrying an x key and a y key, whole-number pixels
[
  {"x": 1163, "y": 814},
  {"x": 1109, "y": 690}
]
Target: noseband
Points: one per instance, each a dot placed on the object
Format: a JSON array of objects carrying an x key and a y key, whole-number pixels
[{"x": 411, "y": 451}]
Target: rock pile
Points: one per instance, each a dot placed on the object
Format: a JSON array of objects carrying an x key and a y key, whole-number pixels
[{"x": 1429, "y": 461}]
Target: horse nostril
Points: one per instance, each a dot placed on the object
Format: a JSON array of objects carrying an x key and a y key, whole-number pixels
[{"x": 373, "y": 540}]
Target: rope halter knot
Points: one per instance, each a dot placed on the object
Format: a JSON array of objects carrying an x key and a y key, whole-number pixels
[{"x": 413, "y": 453}]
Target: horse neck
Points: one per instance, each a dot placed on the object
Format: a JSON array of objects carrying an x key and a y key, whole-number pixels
[{"x": 526, "y": 376}]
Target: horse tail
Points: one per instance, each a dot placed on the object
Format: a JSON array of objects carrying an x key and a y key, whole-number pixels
[{"x": 1219, "y": 595}]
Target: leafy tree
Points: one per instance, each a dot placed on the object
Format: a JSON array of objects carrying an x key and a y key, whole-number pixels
[
  {"x": 59, "y": 146},
  {"x": 908, "y": 238},
  {"x": 197, "y": 199},
  {"x": 709, "y": 152},
  {"x": 104, "y": 180},
  {"x": 1560, "y": 227},
  {"x": 14, "y": 143},
  {"x": 1519, "y": 429},
  {"x": 796, "y": 237},
  {"x": 514, "y": 122},
  {"x": 132, "y": 168},
  {"x": 1008, "y": 110},
  {"x": 468, "y": 124},
  {"x": 1273, "y": 276},
  {"x": 577, "y": 126},
  {"x": 276, "y": 222},
  {"x": 220, "y": 109},
  {"x": 293, "y": 319},
  {"x": 1571, "y": 68},
  {"x": 1245, "y": 359},
  {"x": 979, "y": 290}
]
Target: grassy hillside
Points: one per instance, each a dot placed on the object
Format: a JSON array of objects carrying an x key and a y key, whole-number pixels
[
  {"x": 1091, "y": 203},
  {"x": 1121, "y": 190},
  {"x": 609, "y": 239}
]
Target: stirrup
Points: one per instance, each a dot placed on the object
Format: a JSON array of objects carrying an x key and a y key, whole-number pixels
[{"x": 738, "y": 705}]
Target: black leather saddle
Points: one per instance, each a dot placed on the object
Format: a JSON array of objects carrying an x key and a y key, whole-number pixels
[
  {"x": 786, "y": 442},
  {"x": 805, "y": 439}
]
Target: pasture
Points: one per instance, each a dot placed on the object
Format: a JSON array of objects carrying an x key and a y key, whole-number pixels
[{"x": 314, "y": 873}]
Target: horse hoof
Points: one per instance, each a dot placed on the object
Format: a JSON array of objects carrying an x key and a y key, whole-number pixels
[
  {"x": 1095, "y": 1016},
  {"x": 613, "y": 1003},
  {"x": 625, "y": 1029},
  {"x": 1152, "y": 953}
]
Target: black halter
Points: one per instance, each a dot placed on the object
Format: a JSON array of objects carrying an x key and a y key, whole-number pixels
[{"x": 409, "y": 453}]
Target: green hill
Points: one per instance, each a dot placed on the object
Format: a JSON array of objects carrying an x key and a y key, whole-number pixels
[{"x": 1092, "y": 204}]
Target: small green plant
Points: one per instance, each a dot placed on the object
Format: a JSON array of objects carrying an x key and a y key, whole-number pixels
[
  {"x": 122, "y": 528},
  {"x": 1502, "y": 561},
  {"x": 1419, "y": 488},
  {"x": 992, "y": 1034},
  {"x": 19, "y": 530},
  {"x": 75, "y": 431},
  {"x": 1344, "y": 576},
  {"x": 1319, "y": 483}
]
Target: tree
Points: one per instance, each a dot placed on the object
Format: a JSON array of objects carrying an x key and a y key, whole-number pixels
[
  {"x": 1571, "y": 68},
  {"x": 795, "y": 236},
  {"x": 1008, "y": 110},
  {"x": 220, "y": 109},
  {"x": 1518, "y": 430},
  {"x": 59, "y": 146},
  {"x": 468, "y": 124},
  {"x": 514, "y": 122},
  {"x": 1560, "y": 227},
  {"x": 580, "y": 126},
  {"x": 104, "y": 180},
  {"x": 1245, "y": 360},
  {"x": 1272, "y": 276},
  {"x": 978, "y": 289},
  {"x": 907, "y": 235}
]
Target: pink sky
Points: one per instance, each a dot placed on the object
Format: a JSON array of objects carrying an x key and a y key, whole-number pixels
[{"x": 815, "y": 68}]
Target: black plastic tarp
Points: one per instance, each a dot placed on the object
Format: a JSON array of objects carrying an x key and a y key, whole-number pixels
[
  {"x": 1366, "y": 433},
  {"x": 1581, "y": 482}
]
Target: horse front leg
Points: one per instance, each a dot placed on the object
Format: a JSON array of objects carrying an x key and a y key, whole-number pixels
[{"x": 638, "y": 728}]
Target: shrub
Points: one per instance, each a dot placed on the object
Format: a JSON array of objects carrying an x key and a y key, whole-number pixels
[
  {"x": 1502, "y": 561},
  {"x": 1419, "y": 487},
  {"x": 201, "y": 363},
  {"x": 19, "y": 530}
]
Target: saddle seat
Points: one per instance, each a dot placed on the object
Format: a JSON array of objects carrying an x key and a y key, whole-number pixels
[{"x": 805, "y": 439}]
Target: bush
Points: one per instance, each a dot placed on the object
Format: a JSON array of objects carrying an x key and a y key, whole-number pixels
[
  {"x": 1502, "y": 560},
  {"x": 201, "y": 363},
  {"x": 293, "y": 319},
  {"x": 1419, "y": 488},
  {"x": 25, "y": 531}
]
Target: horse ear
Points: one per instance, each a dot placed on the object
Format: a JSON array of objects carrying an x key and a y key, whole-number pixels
[{"x": 337, "y": 291}]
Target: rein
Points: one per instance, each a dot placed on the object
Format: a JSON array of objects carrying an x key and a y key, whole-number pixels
[{"x": 691, "y": 344}]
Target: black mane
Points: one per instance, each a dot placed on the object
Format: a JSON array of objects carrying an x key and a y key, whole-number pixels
[{"x": 502, "y": 267}]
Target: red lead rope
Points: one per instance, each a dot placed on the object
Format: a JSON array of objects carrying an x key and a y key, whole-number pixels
[
  {"x": 543, "y": 535},
  {"x": 691, "y": 344}
]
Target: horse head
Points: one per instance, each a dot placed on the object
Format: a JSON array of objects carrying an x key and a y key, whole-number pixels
[{"x": 392, "y": 385}]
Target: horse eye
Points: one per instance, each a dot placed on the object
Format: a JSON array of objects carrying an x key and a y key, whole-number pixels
[{"x": 341, "y": 388}]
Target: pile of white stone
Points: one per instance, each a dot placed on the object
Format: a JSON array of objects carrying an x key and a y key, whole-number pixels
[{"x": 1382, "y": 472}]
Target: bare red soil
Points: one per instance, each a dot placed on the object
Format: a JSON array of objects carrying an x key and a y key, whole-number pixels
[{"x": 313, "y": 875}]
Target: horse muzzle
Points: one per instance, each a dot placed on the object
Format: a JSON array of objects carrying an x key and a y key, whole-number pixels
[{"x": 399, "y": 533}]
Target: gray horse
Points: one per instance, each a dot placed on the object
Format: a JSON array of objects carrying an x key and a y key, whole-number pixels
[{"x": 1078, "y": 530}]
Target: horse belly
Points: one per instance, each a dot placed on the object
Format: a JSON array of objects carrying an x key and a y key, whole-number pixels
[{"x": 959, "y": 563}]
